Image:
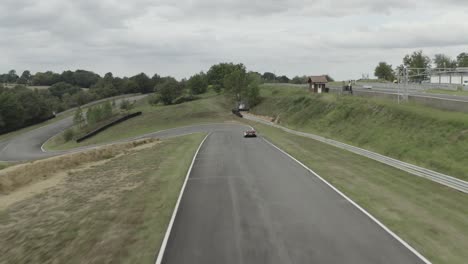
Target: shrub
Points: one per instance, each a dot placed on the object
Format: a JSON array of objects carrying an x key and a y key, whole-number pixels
[
  {"x": 154, "y": 99},
  {"x": 69, "y": 134},
  {"x": 217, "y": 88},
  {"x": 126, "y": 105}
]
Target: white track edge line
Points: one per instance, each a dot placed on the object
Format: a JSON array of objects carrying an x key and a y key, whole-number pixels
[
  {"x": 355, "y": 204},
  {"x": 176, "y": 208},
  {"x": 49, "y": 139}
]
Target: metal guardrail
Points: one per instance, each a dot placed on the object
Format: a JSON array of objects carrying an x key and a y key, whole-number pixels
[{"x": 446, "y": 180}]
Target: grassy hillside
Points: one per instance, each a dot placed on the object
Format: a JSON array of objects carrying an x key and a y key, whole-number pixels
[
  {"x": 114, "y": 209},
  {"x": 429, "y": 216},
  {"x": 210, "y": 108},
  {"x": 417, "y": 134}
]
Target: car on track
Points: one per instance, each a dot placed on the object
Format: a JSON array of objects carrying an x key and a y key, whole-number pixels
[{"x": 250, "y": 133}]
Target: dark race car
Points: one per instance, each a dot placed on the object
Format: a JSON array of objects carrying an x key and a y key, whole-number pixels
[{"x": 250, "y": 133}]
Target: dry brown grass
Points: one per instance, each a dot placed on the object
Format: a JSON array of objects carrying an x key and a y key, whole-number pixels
[
  {"x": 21, "y": 175},
  {"x": 110, "y": 211}
]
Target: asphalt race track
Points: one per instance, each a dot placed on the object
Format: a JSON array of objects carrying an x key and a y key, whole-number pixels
[{"x": 247, "y": 202}]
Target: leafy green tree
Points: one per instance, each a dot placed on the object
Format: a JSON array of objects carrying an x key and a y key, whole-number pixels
[
  {"x": 269, "y": 77},
  {"x": 217, "y": 88},
  {"x": 282, "y": 79},
  {"x": 35, "y": 106},
  {"x": 126, "y": 105},
  {"x": 67, "y": 76},
  {"x": 12, "y": 76},
  {"x": 462, "y": 60},
  {"x": 46, "y": 78},
  {"x": 81, "y": 98},
  {"x": 11, "y": 112},
  {"x": 94, "y": 115},
  {"x": 298, "y": 80},
  {"x": 61, "y": 88},
  {"x": 108, "y": 77},
  {"x": 198, "y": 83},
  {"x": 107, "y": 110},
  {"x": 156, "y": 79},
  {"x": 69, "y": 134},
  {"x": 216, "y": 73},
  {"x": 169, "y": 90},
  {"x": 235, "y": 83},
  {"x": 25, "y": 77},
  {"x": 444, "y": 61},
  {"x": 242, "y": 86},
  {"x": 253, "y": 91},
  {"x": 145, "y": 85},
  {"x": 416, "y": 60},
  {"x": 128, "y": 86},
  {"x": 85, "y": 79},
  {"x": 78, "y": 118},
  {"x": 384, "y": 71}
]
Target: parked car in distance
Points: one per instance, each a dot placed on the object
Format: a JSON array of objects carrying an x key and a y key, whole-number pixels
[{"x": 465, "y": 83}]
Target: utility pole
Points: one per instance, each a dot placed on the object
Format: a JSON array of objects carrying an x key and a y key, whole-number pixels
[{"x": 406, "y": 84}]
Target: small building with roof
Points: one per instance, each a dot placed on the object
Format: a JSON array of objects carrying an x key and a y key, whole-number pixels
[{"x": 317, "y": 84}]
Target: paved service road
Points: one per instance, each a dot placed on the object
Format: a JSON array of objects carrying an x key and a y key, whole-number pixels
[
  {"x": 27, "y": 146},
  {"x": 246, "y": 202}
]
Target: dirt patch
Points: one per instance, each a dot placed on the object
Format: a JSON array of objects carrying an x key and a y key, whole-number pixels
[{"x": 266, "y": 118}]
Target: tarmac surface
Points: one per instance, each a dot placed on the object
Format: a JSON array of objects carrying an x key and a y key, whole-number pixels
[{"x": 247, "y": 202}]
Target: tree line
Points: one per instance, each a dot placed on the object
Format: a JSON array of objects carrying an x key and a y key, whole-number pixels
[
  {"x": 21, "y": 106},
  {"x": 418, "y": 59}
]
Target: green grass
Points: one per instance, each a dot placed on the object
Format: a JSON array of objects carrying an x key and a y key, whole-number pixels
[
  {"x": 4, "y": 165},
  {"x": 430, "y": 217},
  {"x": 450, "y": 92},
  {"x": 417, "y": 134},
  {"x": 210, "y": 108},
  {"x": 116, "y": 212}
]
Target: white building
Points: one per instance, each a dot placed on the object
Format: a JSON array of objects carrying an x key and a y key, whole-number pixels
[{"x": 457, "y": 76}]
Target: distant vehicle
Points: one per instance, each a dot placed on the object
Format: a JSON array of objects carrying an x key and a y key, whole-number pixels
[
  {"x": 243, "y": 106},
  {"x": 237, "y": 112},
  {"x": 250, "y": 133},
  {"x": 465, "y": 83},
  {"x": 367, "y": 87}
]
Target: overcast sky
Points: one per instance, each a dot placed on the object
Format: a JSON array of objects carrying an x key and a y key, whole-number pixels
[{"x": 344, "y": 38}]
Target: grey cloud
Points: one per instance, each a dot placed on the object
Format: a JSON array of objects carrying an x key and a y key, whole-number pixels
[
  {"x": 182, "y": 37},
  {"x": 414, "y": 36}
]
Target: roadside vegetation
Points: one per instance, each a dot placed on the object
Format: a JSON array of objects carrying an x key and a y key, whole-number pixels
[
  {"x": 417, "y": 61},
  {"x": 460, "y": 92},
  {"x": 429, "y": 216},
  {"x": 21, "y": 106},
  {"x": 204, "y": 98},
  {"x": 4, "y": 165},
  {"x": 209, "y": 107},
  {"x": 107, "y": 205},
  {"x": 413, "y": 133}
]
